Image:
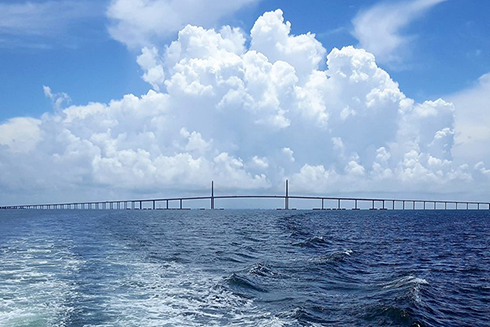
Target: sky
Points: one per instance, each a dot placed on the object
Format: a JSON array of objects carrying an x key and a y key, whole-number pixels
[{"x": 132, "y": 98}]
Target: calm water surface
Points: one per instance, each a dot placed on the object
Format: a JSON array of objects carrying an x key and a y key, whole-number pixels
[{"x": 244, "y": 268}]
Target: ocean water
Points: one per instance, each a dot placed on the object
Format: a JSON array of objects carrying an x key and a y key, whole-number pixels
[{"x": 244, "y": 268}]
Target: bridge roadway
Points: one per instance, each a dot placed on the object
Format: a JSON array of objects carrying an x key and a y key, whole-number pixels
[{"x": 383, "y": 203}]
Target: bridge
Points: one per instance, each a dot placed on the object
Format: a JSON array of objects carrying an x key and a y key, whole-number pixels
[{"x": 372, "y": 203}]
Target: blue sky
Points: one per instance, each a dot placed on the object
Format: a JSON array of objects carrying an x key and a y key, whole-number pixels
[
  {"x": 450, "y": 49},
  {"x": 119, "y": 98}
]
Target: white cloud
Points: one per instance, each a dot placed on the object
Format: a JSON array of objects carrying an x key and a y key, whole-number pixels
[
  {"x": 57, "y": 99},
  {"x": 272, "y": 37},
  {"x": 481, "y": 167},
  {"x": 378, "y": 28},
  {"x": 472, "y": 123},
  {"x": 20, "y": 134},
  {"x": 150, "y": 62},
  {"x": 354, "y": 168},
  {"x": 141, "y": 22},
  {"x": 224, "y": 112},
  {"x": 196, "y": 143},
  {"x": 289, "y": 154},
  {"x": 261, "y": 163},
  {"x": 315, "y": 178}
]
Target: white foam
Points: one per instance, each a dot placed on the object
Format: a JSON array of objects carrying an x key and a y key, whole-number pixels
[
  {"x": 404, "y": 281},
  {"x": 31, "y": 290},
  {"x": 348, "y": 252},
  {"x": 413, "y": 282},
  {"x": 173, "y": 294},
  {"x": 37, "y": 288}
]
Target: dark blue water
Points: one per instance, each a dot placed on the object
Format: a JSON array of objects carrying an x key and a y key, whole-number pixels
[{"x": 244, "y": 268}]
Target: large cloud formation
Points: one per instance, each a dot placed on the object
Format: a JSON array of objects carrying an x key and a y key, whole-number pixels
[{"x": 246, "y": 117}]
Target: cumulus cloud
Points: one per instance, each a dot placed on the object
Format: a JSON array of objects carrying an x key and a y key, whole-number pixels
[
  {"x": 20, "y": 134},
  {"x": 150, "y": 62},
  {"x": 378, "y": 28},
  {"x": 272, "y": 37},
  {"x": 142, "y": 22},
  {"x": 247, "y": 118}
]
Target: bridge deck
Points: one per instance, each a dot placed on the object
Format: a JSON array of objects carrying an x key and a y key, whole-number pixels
[{"x": 383, "y": 203}]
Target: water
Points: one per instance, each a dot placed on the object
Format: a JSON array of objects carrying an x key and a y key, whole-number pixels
[{"x": 244, "y": 268}]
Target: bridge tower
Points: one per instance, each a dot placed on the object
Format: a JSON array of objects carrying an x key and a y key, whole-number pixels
[
  {"x": 212, "y": 194},
  {"x": 286, "y": 199}
]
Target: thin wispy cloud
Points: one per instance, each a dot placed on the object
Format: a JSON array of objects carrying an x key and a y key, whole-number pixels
[
  {"x": 379, "y": 28},
  {"x": 331, "y": 32},
  {"x": 25, "y": 24}
]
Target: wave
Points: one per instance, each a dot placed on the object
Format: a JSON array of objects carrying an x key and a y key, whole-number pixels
[
  {"x": 395, "y": 302},
  {"x": 313, "y": 242},
  {"x": 385, "y": 315},
  {"x": 404, "y": 281},
  {"x": 408, "y": 286},
  {"x": 243, "y": 285},
  {"x": 312, "y": 316},
  {"x": 335, "y": 256},
  {"x": 262, "y": 270}
]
